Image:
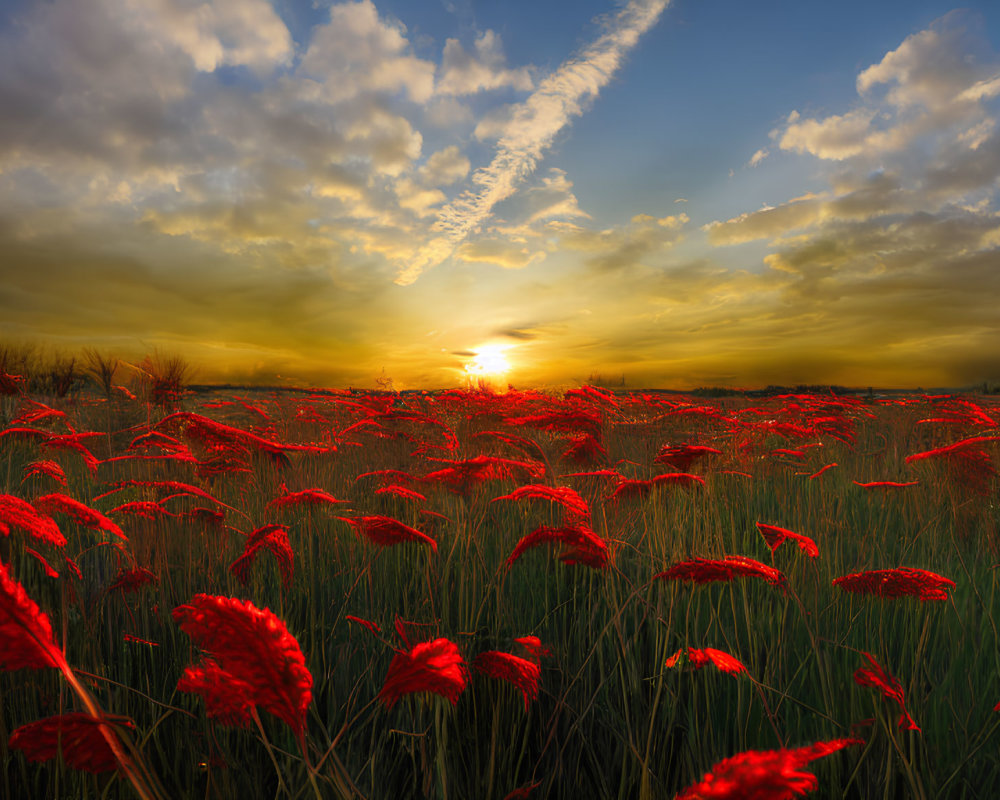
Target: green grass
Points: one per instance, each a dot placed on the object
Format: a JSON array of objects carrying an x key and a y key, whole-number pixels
[{"x": 611, "y": 721}]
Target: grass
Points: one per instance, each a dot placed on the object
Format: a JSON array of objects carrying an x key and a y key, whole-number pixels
[{"x": 611, "y": 721}]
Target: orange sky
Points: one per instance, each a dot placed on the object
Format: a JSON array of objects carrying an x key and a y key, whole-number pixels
[{"x": 679, "y": 195}]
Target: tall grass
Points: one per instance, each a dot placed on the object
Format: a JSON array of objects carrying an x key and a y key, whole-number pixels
[{"x": 611, "y": 720}]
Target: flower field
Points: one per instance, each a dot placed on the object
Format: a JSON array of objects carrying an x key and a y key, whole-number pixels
[{"x": 522, "y": 595}]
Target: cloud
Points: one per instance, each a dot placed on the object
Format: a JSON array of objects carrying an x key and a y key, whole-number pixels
[
  {"x": 444, "y": 167},
  {"x": 465, "y": 73},
  {"x": 644, "y": 239},
  {"x": 934, "y": 82},
  {"x": 553, "y": 199},
  {"x": 500, "y": 252},
  {"x": 757, "y": 157},
  {"x": 892, "y": 265},
  {"x": 224, "y": 33},
  {"x": 357, "y": 52},
  {"x": 835, "y": 137},
  {"x": 534, "y": 125}
]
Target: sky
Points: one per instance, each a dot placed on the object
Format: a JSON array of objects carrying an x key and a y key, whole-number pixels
[{"x": 666, "y": 194}]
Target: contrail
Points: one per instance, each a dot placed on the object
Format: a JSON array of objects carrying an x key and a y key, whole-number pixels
[{"x": 533, "y": 127}]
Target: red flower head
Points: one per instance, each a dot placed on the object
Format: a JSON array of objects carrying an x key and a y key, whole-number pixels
[
  {"x": 574, "y": 506},
  {"x": 521, "y": 672},
  {"x": 16, "y": 513},
  {"x": 25, "y": 630},
  {"x": 434, "y": 666},
  {"x": 82, "y": 513},
  {"x": 706, "y": 570},
  {"x": 385, "y": 531},
  {"x": 269, "y": 537},
  {"x": 763, "y": 774},
  {"x": 255, "y": 648},
  {"x": 708, "y": 655},
  {"x": 77, "y": 736},
  {"x": 583, "y": 546},
  {"x": 774, "y": 536},
  {"x": 683, "y": 456},
  {"x": 227, "y": 698},
  {"x": 131, "y": 580},
  {"x": 307, "y": 497},
  {"x": 899, "y": 582},
  {"x": 887, "y": 684}
]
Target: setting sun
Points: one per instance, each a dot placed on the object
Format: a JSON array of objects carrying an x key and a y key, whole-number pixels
[{"x": 489, "y": 362}]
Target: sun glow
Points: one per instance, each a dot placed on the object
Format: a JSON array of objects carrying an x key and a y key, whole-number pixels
[{"x": 489, "y": 362}]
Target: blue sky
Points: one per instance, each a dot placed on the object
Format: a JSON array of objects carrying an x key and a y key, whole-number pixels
[{"x": 682, "y": 193}]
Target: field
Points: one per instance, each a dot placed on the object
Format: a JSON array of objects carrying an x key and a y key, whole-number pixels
[{"x": 520, "y": 595}]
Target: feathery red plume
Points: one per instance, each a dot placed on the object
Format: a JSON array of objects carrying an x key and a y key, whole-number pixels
[
  {"x": 706, "y": 570},
  {"x": 255, "y": 647},
  {"x": 76, "y": 735},
  {"x": 25, "y": 630},
  {"x": 434, "y": 666},
  {"x": 900, "y": 582},
  {"x": 764, "y": 774}
]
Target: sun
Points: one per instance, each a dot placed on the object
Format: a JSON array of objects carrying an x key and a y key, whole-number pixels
[{"x": 489, "y": 362}]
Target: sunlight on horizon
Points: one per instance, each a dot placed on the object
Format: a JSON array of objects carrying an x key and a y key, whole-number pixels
[{"x": 489, "y": 363}]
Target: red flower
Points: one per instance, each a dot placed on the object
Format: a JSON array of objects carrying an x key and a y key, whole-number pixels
[
  {"x": 968, "y": 463},
  {"x": 706, "y": 570},
  {"x": 385, "y": 531},
  {"x": 763, "y": 774},
  {"x": 401, "y": 491},
  {"x": 899, "y": 582},
  {"x": 524, "y": 792},
  {"x": 683, "y": 456},
  {"x": 227, "y": 698},
  {"x": 142, "y": 508},
  {"x": 575, "y": 507},
  {"x": 583, "y": 546},
  {"x": 77, "y": 736},
  {"x": 678, "y": 479},
  {"x": 82, "y": 513},
  {"x": 434, "y": 666},
  {"x": 131, "y": 580},
  {"x": 878, "y": 678},
  {"x": 521, "y": 672},
  {"x": 367, "y": 623},
  {"x": 774, "y": 536},
  {"x": 25, "y": 630},
  {"x": 41, "y": 560},
  {"x": 254, "y": 647},
  {"x": 20, "y": 514},
  {"x": 821, "y": 470},
  {"x": 71, "y": 441},
  {"x": 310, "y": 497},
  {"x": 534, "y": 647},
  {"x": 708, "y": 655},
  {"x": 584, "y": 448},
  {"x": 269, "y": 537},
  {"x": 48, "y": 468}
]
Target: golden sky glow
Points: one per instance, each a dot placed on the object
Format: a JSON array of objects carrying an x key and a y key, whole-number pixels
[{"x": 317, "y": 192}]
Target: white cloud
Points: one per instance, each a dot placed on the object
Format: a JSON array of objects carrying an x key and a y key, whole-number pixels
[
  {"x": 225, "y": 32},
  {"x": 835, "y": 137},
  {"x": 554, "y": 198},
  {"x": 499, "y": 252},
  {"x": 466, "y": 73},
  {"x": 934, "y": 83},
  {"x": 358, "y": 52},
  {"x": 930, "y": 68},
  {"x": 757, "y": 157},
  {"x": 535, "y": 123},
  {"x": 445, "y": 167}
]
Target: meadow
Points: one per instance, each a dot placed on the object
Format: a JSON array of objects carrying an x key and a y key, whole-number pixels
[{"x": 467, "y": 594}]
